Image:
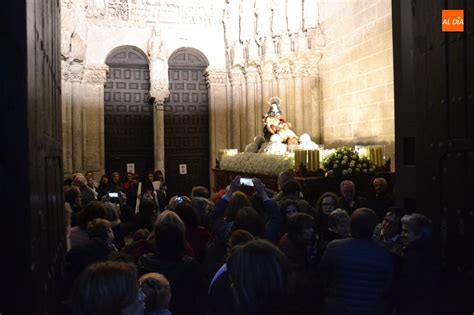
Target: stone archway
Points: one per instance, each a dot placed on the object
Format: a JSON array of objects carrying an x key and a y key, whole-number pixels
[
  {"x": 186, "y": 122},
  {"x": 128, "y": 114}
]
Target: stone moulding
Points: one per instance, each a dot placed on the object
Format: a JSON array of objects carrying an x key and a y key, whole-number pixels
[
  {"x": 95, "y": 74},
  {"x": 73, "y": 71},
  {"x": 215, "y": 76}
]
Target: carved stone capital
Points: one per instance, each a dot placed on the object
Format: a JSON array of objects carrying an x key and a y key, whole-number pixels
[
  {"x": 159, "y": 90},
  {"x": 118, "y": 10},
  {"x": 72, "y": 71},
  {"x": 95, "y": 74},
  {"x": 299, "y": 70},
  {"x": 236, "y": 76},
  {"x": 282, "y": 71},
  {"x": 215, "y": 76},
  {"x": 266, "y": 71},
  {"x": 251, "y": 74}
]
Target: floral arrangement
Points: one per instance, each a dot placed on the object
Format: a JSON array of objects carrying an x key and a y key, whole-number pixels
[
  {"x": 346, "y": 161},
  {"x": 257, "y": 163}
]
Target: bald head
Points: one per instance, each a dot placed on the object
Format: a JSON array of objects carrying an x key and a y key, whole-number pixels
[
  {"x": 347, "y": 190},
  {"x": 380, "y": 185}
]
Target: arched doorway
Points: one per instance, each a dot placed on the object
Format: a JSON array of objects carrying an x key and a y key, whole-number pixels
[
  {"x": 187, "y": 123},
  {"x": 128, "y": 115}
]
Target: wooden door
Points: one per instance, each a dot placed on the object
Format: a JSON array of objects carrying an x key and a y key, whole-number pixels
[
  {"x": 434, "y": 101},
  {"x": 187, "y": 123},
  {"x": 128, "y": 114}
]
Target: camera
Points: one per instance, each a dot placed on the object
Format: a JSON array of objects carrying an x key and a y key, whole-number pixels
[
  {"x": 246, "y": 181},
  {"x": 113, "y": 194}
]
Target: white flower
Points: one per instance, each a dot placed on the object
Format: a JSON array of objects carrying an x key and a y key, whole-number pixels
[
  {"x": 349, "y": 170},
  {"x": 344, "y": 172}
]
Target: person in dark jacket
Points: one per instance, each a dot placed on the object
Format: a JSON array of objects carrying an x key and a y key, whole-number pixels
[
  {"x": 356, "y": 273},
  {"x": 338, "y": 228},
  {"x": 298, "y": 243},
  {"x": 259, "y": 273},
  {"x": 196, "y": 235},
  {"x": 104, "y": 187},
  {"x": 349, "y": 201},
  {"x": 248, "y": 220},
  {"x": 108, "y": 288},
  {"x": 418, "y": 271},
  {"x": 187, "y": 281},
  {"x": 387, "y": 233},
  {"x": 87, "y": 195},
  {"x": 291, "y": 190},
  {"x": 98, "y": 248},
  {"x": 326, "y": 204},
  {"x": 221, "y": 300},
  {"x": 381, "y": 200}
]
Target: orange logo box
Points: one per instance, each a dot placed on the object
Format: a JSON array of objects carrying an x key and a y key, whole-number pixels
[{"x": 452, "y": 21}]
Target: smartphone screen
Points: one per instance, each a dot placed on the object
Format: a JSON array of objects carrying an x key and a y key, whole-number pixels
[
  {"x": 113, "y": 195},
  {"x": 246, "y": 181}
]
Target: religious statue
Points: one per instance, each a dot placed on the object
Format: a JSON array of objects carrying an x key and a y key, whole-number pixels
[
  {"x": 274, "y": 146},
  {"x": 230, "y": 20},
  {"x": 263, "y": 14},
  {"x": 274, "y": 122},
  {"x": 310, "y": 14},
  {"x": 247, "y": 21},
  {"x": 158, "y": 54},
  {"x": 306, "y": 143},
  {"x": 294, "y": 14},
  {"x": 279, "y": 26}
]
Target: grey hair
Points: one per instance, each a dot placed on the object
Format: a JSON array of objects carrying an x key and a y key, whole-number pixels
[
  {"x": 337, "y": 216},
  {"x": 420, "y": 224},
  {"x": 346, "y": 183},
  {"x": 380, "y": 178},
  {"x": 170, "y": 217}
]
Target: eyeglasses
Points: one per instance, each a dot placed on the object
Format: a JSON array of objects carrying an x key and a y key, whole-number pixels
[{"x": 327, "y": 204}]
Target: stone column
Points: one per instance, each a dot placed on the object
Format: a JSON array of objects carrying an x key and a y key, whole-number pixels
[
  {"x": 314, "y": 90},
  {"x": 77, "y": 126},
  {"x": 94, "y": 79},
  {"x": 316, "y": 109},
  {"x": 267, "y": 90},
  {"x": 283, "y": 74},
  {"x": 236, "y": 78},
  {"x": 298, "y": 110},
  {"x": 159, "y": 92},
  {"x": 307, "y": 105},
  {"x": 66, "y": 108},
  {"x": 159, "y": 134},
  {"x": 216, "y": 80},
  {"x": 250, "y": 123}
]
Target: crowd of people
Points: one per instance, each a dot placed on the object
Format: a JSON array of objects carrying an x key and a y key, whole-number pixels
[{"x": 139, "y": 251}]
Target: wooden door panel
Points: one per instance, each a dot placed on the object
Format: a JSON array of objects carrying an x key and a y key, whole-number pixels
[
  {"x": 128, "y": 116},
  {"x": 186, "y": 130}
]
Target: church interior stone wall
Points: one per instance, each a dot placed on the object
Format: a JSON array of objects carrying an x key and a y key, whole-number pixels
[
  {"x": 356, "y": 73},
  {"x": 329, "y": 62}
]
